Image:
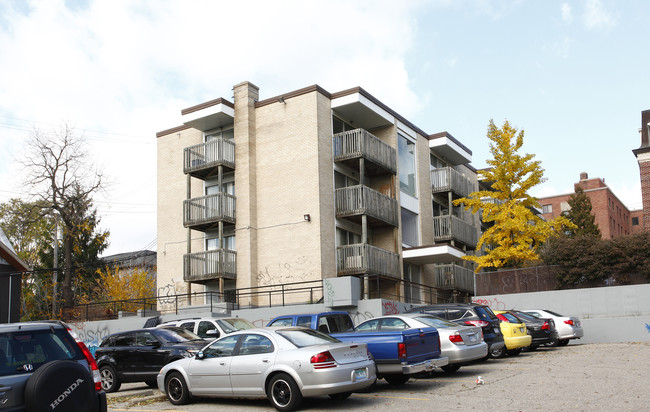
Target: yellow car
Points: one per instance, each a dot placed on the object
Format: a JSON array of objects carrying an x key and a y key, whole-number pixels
[{"x": 514, "y": 332}]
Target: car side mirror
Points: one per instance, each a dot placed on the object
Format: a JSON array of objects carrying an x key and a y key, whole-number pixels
[
  {"x": 212, "y": 332},
  {"x": 200, "y": 355}
]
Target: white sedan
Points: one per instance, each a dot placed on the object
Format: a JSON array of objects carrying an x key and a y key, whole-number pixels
[
  {"x": 568, "y": 327},
  {"x": 281, "y": 364},
  {"x": 461, "y": 344}
]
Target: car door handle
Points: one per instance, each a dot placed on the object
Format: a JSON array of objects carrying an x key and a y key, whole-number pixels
[
  {"x": 265, "y": 360},
  {"x": 5, "y": 388},
  {"x": 222, "y": 363}
]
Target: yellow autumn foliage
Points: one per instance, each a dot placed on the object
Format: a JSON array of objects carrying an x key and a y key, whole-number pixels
[
  {"x": 516, "y": 232},
  {"x": 126, "y": 284}
]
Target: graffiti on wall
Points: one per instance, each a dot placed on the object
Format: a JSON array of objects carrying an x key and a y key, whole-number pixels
[
  {"x": 493, "y": 303},
  {"x": 285, "y": 273},
  {"x": 390, "y": 307},
  {"x": 92, "y": 336}
]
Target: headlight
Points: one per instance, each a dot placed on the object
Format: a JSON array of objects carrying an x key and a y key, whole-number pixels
[{"x": 189, "y": 353}]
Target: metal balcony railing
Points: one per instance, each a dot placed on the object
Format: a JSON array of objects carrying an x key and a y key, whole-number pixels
[
  {"x": 453, "y": 276},
  {"x": 201, "y": 213},
  {"x": 200, "y": 160},
  {"x": 357, "y": 143},
  {"x": 361, "y": 259},
  {"x": 450, "y": 180},
  {"x": 362, "y": 200},
  {"x": 208, "y": 265},
  {"x": 447, "y": 228}
]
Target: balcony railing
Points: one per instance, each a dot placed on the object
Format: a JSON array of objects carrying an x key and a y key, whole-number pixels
[
  {"x": 361, "y": 200},
  {"x": 454, "y": 277},
  {"x": 201, "y": 159},
  {"x": 451, "y": 180},
  {"x": 447, "y": 228},
  {"x": 358, "y": 143},
  {"x": 202, "y": 213},
  {"x": 212, "y": 264},
  {"x": 362, "y": 259}
]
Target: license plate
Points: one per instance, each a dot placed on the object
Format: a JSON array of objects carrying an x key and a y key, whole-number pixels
[
  {"x": 521, "y": 330},
  {"x": 472, "y": 338},
  {"x": 497, "y": 330},
  {"x": 360, "y": 374}
]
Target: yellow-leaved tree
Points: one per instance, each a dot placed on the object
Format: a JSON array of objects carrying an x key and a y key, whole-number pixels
[
  {"x": 126, "y": 284},
  {"x": 516, "y": 233}
]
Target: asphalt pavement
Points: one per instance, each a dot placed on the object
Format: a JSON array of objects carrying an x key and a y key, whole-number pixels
[{"x": 577, "y": 377}]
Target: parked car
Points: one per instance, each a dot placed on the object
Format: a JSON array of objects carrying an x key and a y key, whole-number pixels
[
  {"x": 471, "y": 314},
  {"x": 568, "y": 327},
  {"x": 398, "y": 353},
  {"x": 542, "y": 330},
  {"x": 514, "y": 332},
  {"x": 459, "y": 344},
  {"x": 138, "y": 355},
  {"x": 281, "y": 364},
  {"x": 44, "y": 366},
  {"x": 210, "y": 328}
]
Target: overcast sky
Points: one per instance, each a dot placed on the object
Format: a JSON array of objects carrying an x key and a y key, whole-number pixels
[{"x": 575, "y": 75}]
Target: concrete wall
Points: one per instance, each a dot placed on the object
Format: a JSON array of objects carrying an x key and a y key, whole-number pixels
[{"x": 608, "y": 314}]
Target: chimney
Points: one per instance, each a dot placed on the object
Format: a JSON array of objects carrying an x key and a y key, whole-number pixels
[
  {"x": 645, "y": 125},
  {"x": 584, "y": 176}
]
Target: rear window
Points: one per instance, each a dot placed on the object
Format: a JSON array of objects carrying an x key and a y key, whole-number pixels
[
  {"x": 436, "y": 322},
  {"x": 35, "y": 348},
  {"x": 511, "y": 318},
  {"x": 176, "y": 335},
  {"x": 338, "y": 323},
  {"x": 485, "y": 313},
  {"x": 553, "y": 313},
  {"x": 306, "y": 337}
]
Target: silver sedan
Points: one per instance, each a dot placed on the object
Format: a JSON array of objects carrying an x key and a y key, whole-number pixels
[
  {"x": 282, "y": 364},
  {"x": 461, "y": 344}
]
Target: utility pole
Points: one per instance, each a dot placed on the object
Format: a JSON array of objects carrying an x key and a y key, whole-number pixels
[{"x": 56, "y": 268}]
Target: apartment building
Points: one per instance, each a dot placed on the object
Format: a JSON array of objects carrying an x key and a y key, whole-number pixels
[
  {"x": 310, "y": 185},
  {"x": 611, "y": 215}
]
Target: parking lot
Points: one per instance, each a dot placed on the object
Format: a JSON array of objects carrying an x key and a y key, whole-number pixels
[{"x": 578, "y": 377}]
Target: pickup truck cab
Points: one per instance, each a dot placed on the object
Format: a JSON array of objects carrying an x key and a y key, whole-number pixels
[{"x": 398, "y": 354}]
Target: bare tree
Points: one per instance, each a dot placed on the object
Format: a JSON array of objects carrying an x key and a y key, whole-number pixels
[{"x": 60, "y": 174}]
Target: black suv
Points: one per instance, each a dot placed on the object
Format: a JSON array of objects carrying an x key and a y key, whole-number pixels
[
  {"x": 474, "y": 315},
  {"x": 138, "y": 355},
  {"x": 43, "y": 366}
]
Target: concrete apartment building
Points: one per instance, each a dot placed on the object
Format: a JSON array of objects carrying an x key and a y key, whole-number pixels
[
  {"x": 311, "y": 185},
  {"x": 611, "y": 215}
]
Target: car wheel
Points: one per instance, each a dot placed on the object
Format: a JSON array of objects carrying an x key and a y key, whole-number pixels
[
  {"x": 340, "y": 396},
  {"x": 396, "y": 380},
  {"x": 532, "y": 348},
  {"x": 563, "y": 342},
  {"x": 451, "y": 368},
  {"x": 60, "y": 385},
  {"x": 152, "y": 383},
  {"x": 514, "y": 352},
  {"x": 283, "y": 393},
  {"x": 176, "y": 389},
  {"x": 110, "y": 381},
  {"x": 498, "y": 353}
]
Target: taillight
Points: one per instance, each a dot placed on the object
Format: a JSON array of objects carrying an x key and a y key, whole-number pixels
[
  {"x": 502, "y": 318},
  {"x": 369, "y": 355},
  {"x": 456, "y": 338},
  {"x": 93, "y": 365},
  {"x": 479, "y": 323},
  {"x": 569, "y": 322},
  {"x": 545, "y": 326},
  {"x": 401, "y": 351},
  {"x": 323, "y": 360}
]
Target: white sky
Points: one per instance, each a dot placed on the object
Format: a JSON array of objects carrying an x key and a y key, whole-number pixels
[{"x": 574, "y": 75}]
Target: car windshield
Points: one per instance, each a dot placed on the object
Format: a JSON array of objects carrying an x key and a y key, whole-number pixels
[
  {"x": 234, "y": 324},
  {"x": 175, "y": 335},
  {"x": 306, "y": 337},
  {"x": 436, "y": 322}
]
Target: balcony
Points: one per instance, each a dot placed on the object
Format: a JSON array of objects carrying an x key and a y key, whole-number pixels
[
  {"x": 203, "y": 213},
  {"x": 212, "y": 264},
  {"x": 354, "y": 201},
  {"x": 452, "y": 277},
  {"x": 355, "y": 144},
  {"x": 446, "y": 228},
  {"x": 201, "y": 160},
  {"x": 364, "y": 259},
  {"x": 450, "y": 180}
]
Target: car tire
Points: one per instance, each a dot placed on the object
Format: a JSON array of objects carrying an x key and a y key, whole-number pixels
[
  {"x": 453, "y": 368},
  {"x": 283, "y": 392},
  {"x": 532, "y": 348},
  {"x": 340, "y": 396},
  {"x": 498, "y": 353},
  {"x": 562, "y": 342},
  {"x": 66, "y": 384},
  {"x": 110, "y": 381},
  {"x": 396, "y": 380},
  {"x": 514, "y": 352},
  {"x": 152, "y": 383},
  {"x": 176, "y": 389}
]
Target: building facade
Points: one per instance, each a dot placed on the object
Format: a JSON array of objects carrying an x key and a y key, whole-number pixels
[
  {"x": 311, "y": 185},
  {"x": 643, "y": 158},
  {"x": 611, "y": 215}
]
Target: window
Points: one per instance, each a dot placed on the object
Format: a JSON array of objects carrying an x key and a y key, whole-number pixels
[
  {"x": 221, "y": 133},
  {"x": 635, "y": 221},
  {"x": 410, "y": 228},
  {"x": 407, "y": 182},
  {"x": 411, "y": 291},
  {"x": 282, "y": 322},
  {"x": 304, "y": 321},
  {"x": 547, "y": 209},
  {"x": 436, "y": 163},
  {"x": 255, "y": 344},
  {"x": 370, "y": 325},
  {"x": 221, "y": 348},
  {"x": 341, "y": 180},
  {"x": 204, "y": 327},
  {"x": 188, "y": 326},
  {"x": 393, "y": 324},
  {"x": 344, "y": 237},
  {"x": 339, "y": 125}
]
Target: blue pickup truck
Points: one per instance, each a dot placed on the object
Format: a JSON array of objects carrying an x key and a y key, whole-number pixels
[{"x": 398, "y": 354}]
